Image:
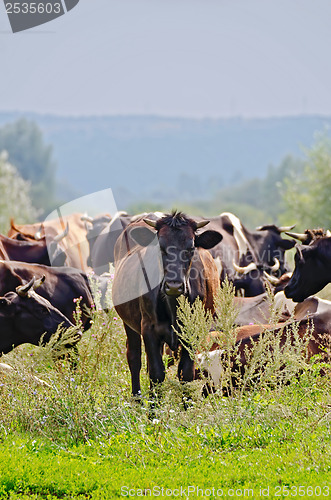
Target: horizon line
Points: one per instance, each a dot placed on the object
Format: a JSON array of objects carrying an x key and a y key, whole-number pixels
[{"x": 167, "y": 117}]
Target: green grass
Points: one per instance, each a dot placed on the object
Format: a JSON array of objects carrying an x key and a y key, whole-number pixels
[
  {"x": 269, "y": 443},
  {"x": 83, "y": 437}
]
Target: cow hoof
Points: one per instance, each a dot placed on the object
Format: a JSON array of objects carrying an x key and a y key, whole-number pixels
[
  {"x": 187, "y": 403},
  {"x": 137, "y": 398}
]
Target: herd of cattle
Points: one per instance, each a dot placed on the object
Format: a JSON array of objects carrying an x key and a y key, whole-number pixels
[{"x": 157, "y": 258}]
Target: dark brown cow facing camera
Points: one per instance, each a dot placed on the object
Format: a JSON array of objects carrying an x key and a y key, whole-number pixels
[{"x": 153, "y": 267}]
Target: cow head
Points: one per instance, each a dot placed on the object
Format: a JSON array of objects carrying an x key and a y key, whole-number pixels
[
  {"x": 26, "y": 317},
  {"x": 177, "y": 237},
  {"x": 312, "y": 270},
  {"x": 271, "y": 245},
  {"x": 252, "y": 278}
]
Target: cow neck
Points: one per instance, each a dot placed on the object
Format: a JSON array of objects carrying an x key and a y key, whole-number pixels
[{"x": 251, "y": 240}]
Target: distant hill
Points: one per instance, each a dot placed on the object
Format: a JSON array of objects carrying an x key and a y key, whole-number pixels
[{"x": 160, "y": 159}]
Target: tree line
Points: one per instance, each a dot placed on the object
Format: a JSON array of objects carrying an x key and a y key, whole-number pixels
[{"x": 297, "y": 190}]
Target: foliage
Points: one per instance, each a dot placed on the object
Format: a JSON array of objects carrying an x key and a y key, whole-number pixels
[
  {"x": 33, "y": 158},
  {"x": 14, "y": 196},
  {"x": 307, "y": 189},
  {"x": 194, "y": 325}
]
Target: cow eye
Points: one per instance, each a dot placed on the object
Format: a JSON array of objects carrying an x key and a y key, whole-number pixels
[
  {"x": 3, "y": 302},
  {"x": 42, "y": 311}
]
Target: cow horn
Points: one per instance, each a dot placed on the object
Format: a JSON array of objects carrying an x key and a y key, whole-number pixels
[
  {"x": 37, "y": 235},
  {"x": 12, "y": 224},
  {"x": 23, "y": 290},
  {"x": 39, "y": 282},
  {"x": 86, "y": 218},
  {"x": 60, "y": 237},
  {"x": 150, "y": 222},
  {"x": 202, "y": 223},
  {"x": 272, "y": 279},
  {"x": 276, "y": 265},
  {"x": 244, "y": 270},
  {"x": 303, "y": 237},
  {"x": 283, "y": 229}
]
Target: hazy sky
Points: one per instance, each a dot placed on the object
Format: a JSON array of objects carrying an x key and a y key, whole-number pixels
[{"x": 197, "y": 58}]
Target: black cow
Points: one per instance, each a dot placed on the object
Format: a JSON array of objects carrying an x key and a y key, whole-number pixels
[
  {"x": 102, "y": 247},
  {"x": 152, "y": 269},
  {"x": 310, "y": 235},
  {"x": 312, "y": 269},
  {"x": 26, "y": 317},
  {"x": 244, "y": 255},
  {"x": 62, "y": 286},
  {"x": 94, "y": 226}
]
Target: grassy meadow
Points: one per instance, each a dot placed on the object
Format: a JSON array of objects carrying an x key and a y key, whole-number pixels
[{"x": 82, "y": 436}]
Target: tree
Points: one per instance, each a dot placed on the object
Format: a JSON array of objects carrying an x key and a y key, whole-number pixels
[
  {"x": 33, "y": 159},
  {"x": 14, "y": 196},
  {"x": 307, "y": 190}
]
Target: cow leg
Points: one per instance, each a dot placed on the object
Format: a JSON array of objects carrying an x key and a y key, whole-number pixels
[
  {"x": 155, "y": 366},
  {"x": 154, "y": 348},
  {"x": 133, "y": 356},
  {"x": 186, "y": 373},
  {"x": 186, "y": 367}
]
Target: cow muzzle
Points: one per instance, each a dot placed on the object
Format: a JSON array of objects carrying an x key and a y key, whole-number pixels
[{"x": 173, "y": 288}]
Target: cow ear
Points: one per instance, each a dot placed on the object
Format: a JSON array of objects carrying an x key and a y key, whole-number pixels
[
  {"x": 287, "y": 244},
  {"x": 208, "y": 239},
  {"x": 143, "y": 236}
]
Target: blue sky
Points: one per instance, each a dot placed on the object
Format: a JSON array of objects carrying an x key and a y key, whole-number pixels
[{"x": 189, "y": 58}]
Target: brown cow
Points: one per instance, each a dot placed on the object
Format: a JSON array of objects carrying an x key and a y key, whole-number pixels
[
  {"x": 313, "y": 315},
  {"x": 75, "y": 243},
  {"x": 33, "y": 251}
]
